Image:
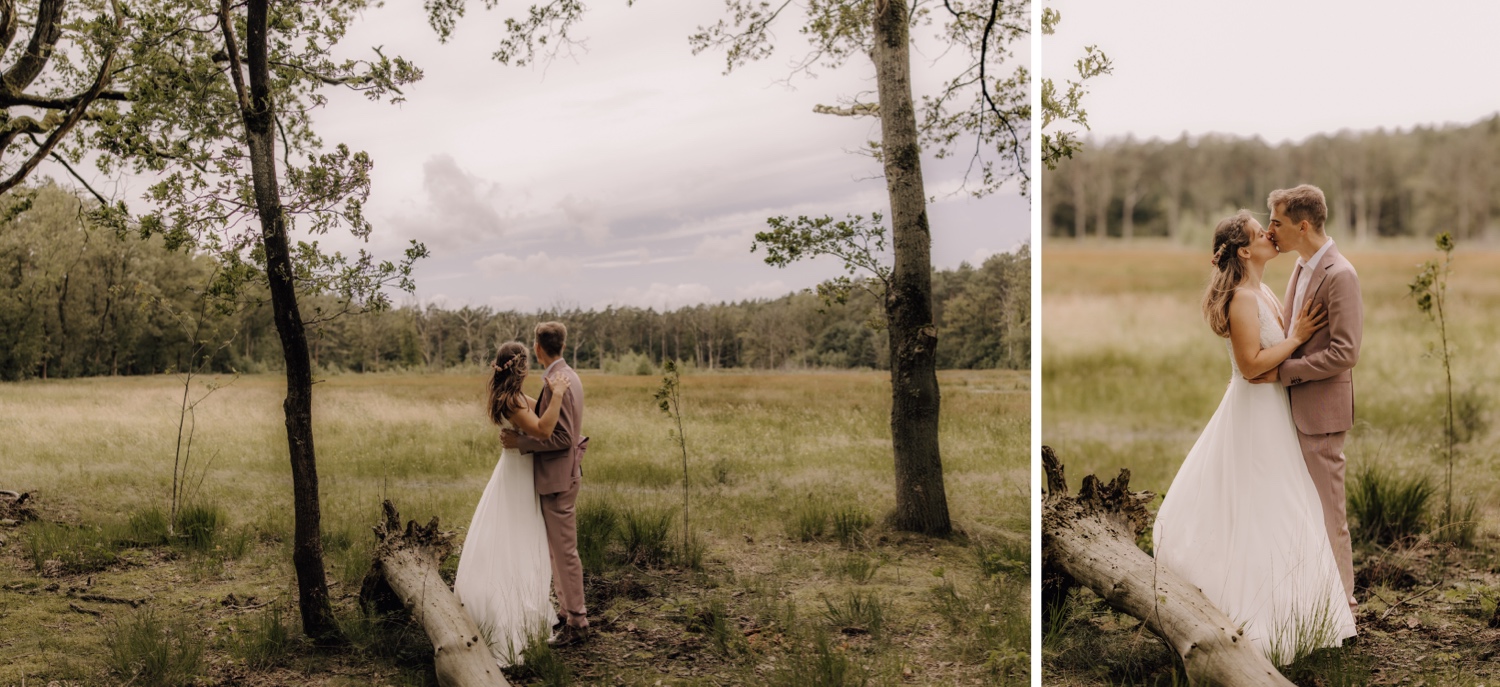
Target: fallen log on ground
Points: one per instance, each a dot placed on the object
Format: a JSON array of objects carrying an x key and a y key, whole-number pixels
[
  {"x": 1090, "y": 539},
  {"x": 406, "y": 565}
]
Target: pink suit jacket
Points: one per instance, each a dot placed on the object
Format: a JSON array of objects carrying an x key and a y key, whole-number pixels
[
  {"x": 558, "y": 460},
  {"x": 1319, "y": 375}
]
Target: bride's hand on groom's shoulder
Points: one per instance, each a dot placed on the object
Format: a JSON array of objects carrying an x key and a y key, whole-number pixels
[{"x": 558, "y": 383}]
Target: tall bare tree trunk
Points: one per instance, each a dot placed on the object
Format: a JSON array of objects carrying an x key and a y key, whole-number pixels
[
  {"x": 258, "y": 112},
  {"x": 921, "y": 502}
]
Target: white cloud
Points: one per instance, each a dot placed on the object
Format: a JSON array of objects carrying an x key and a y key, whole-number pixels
[
  {"x": 662, "y": 296},
  {"x": 460, "y": 208},
  {"x": 502, "y": 264}
]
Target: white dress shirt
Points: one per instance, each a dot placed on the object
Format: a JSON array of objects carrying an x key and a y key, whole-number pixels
[{"x": 1304, "y": 279}]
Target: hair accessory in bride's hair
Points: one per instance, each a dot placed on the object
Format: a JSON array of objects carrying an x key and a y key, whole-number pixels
[
  {"x": 1214, "y": 261},
  {"x": 508, "y": 364}
]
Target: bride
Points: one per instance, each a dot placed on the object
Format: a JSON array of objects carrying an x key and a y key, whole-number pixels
[
  {"x": 1242, "y": 519},
  {"x": 505, "y": 572}
]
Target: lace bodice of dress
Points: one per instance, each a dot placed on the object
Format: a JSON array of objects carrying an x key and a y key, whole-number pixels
[{"x": 1271, "y": 332}]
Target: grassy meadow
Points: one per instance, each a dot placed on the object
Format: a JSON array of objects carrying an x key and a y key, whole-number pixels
[
  {"x": 798, "y": 579},
  {"x": 1131, "y": 374}
]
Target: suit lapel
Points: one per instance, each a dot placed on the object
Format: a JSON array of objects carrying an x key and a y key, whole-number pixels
[
  {"x": 1289, "y": 299},
  {"x": 1330, "y": 259}
]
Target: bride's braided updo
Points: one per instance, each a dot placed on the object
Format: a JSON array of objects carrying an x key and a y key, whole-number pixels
[
  {"x": 1229, "y": 270},
  {"x": 507, "y": 373}
]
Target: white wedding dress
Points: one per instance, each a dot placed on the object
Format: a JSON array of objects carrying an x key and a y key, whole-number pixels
[
  {"x": 505, "y": 572},
  {"x": 1242, "y": 521}
]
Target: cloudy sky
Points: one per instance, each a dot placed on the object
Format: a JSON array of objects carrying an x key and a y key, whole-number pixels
[
  {"x": 1280, "y": 69},
  {"x": 631, "y": 172}
]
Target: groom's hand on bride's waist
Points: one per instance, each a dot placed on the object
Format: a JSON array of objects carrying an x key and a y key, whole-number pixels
[
  {"x": 509, "y": 438},
  {"x": 1268, "y": 376}
]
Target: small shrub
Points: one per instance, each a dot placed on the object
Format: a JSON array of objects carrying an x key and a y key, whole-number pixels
[
  {"x": 146, "y": 650},
  {"x": 60, "y": 549},
  {"x": 809, "y": 521},
  {"x": 198, "y": 525},
  {"x": 1387, "y": 508},
  {"x": 149, "y": 527},
  {"x": 863, "y": 611},
  {"x": 645, "y": 536},
  {"x": 261, "y": 642},
  {"x": 849, "y": 525},
  {"x": 598, "y": 523}
]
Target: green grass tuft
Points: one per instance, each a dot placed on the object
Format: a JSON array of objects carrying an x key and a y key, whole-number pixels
[
  {"x": 149, "y": 527},
  {"x": 809, "y": 520},
  {"x": 1385, "y": 508},
  {"x": 64, "y": 549},
  {"x": 198, "y": 525},
  {"x": 645, "y": 533},
  {"x": 821, "y": 665},
  {"x": 262, "y": 641},
  {"x": 598, "y": 524},
  {"x": 856, "y": 611},
  {"x": 147, "y": 650},
  {"x": 849, "y": 525}
]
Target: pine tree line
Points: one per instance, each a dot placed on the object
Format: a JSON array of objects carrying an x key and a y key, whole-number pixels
[{"x": 77, "y": 300}]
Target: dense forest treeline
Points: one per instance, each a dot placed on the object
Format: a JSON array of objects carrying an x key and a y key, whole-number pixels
[
  {"x": 77, "y": 300},
  {"x": 1379, "y": 183}
]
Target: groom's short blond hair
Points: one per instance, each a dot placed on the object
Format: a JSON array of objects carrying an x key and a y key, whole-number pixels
[{"x": 1304, "y": 202}]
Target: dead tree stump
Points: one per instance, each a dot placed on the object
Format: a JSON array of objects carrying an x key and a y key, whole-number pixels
[
  {"x": 406, "y": 565},
  {"x": 1090, "y": 539}
]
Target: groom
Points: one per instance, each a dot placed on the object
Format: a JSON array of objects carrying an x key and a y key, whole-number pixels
[
  {"x": 557, "y": 469},
  {"x": 1319, "y": 375}
]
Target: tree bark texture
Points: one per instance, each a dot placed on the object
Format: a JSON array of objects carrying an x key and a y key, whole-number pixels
[
  {"x": 1090, "y": 538},
  {"x": 921, "y": 502},
  {"x": 259, "y": 114},
  {"x": 407, "y": 560}
]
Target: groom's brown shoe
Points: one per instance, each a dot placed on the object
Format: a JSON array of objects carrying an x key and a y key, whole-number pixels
[{"x": 569, "y": 635}]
